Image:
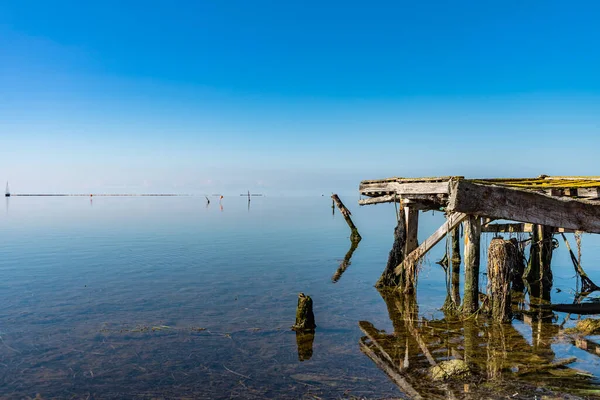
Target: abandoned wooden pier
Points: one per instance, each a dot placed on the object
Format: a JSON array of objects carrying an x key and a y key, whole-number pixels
[{"x": 541, "y": 206}]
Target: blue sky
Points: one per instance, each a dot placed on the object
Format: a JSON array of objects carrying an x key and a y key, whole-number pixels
[{"x": 285, "y": 97}]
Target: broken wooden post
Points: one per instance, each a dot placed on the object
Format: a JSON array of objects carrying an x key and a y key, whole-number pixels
[
  {"x": 502, "y": 256},
  {"x": 305, "y": 319},
  {"x": 455, "y": 267},
  {"x": 587, "y": 285},
  {"x": 472, "y": 258},
  {"x": 389, "y": 278},
  {"x": 354, "y": 235}
]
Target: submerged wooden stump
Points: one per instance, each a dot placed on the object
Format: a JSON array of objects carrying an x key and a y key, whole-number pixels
[
  {"x": 503, "y": 257},
  {"x": 305, "y": 319}
]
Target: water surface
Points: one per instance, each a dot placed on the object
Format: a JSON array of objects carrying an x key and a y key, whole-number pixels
[{"x": 168, "y": 297}]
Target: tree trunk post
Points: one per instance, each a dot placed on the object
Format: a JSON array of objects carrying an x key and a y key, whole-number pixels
[{"x": 472, "y": 258}]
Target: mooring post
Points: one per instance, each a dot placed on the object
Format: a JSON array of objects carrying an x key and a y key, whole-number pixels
[
  {"x": 472, "y": 256},
  {"x": 502, "y": 259}
]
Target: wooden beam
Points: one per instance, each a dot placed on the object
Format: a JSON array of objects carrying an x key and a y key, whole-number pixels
[
  {"x": 516, "y": 227},
  {"x": 388, "y": 198},
  {"x": 404, "y": 188},
  {"x": 451, "y": 222},
  {"x": 524, "y": 206},
  {"x": 423, "y": 201}
]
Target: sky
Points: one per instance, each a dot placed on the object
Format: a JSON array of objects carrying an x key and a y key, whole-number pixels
[{"x": 293, "y": 97}]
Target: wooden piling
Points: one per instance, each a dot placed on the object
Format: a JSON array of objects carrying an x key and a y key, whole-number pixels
[
  {"x": 389, "y": 278},
  {"x": 472, "y": 259},
  {"x": 305, "y": 318},
  {"x": 354, "y": 235},
  {"x": 539, "y": 271},
  {"x": 502, "y": 258},
  {"x": 455, "y": 267}
]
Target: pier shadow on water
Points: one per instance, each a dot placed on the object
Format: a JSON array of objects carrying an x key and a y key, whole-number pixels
[{"x": 474, "y": 358}]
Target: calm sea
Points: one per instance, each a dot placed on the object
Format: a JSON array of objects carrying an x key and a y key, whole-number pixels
[{"x": 166, "y": 297}]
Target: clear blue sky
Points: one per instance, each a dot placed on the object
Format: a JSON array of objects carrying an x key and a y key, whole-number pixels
[{"x": 287, "y": 97}]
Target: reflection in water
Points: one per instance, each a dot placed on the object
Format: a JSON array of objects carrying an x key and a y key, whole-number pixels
[
  {"x": 304, "y": 341},
  {"x": 345, "y": 262},
  {"x": 501, "y": 360},
  {"x": 7, "y": 202}
]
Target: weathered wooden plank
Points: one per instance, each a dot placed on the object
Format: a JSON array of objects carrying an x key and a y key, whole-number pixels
[
  {"x": 516, "y": 227},
  {"x": 590, "y": 193},
  {"x": 389, "y": 198},
  {"x": 451, "y": 222},
  {"x": 524, "y": 206},
  {"x": 424, "y": 201},
  {"x": 405, "y": 188}
]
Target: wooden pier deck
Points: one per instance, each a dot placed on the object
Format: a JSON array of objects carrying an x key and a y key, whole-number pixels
[
  {"x": 570, "y": 202},
  {"x": 541, "y": 206}
]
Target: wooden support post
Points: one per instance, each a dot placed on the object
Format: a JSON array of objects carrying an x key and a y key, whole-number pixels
[
  {"x": 533, "y": 273},
  {"x": 472, "y": 257},
  {"x": 539, "y": 272},
  {"x": 517, "y": 285},
  {"x": 546, "y": 247},
  {"x": 455, "y": 267},
  {"x": 412, "y": 229},
  {"x": 452, "y": 221},
  {"x": 305, "y": 319},
  {"x": 502, "y": 258},
  {"x": 391, "y": 278},
  {"x": 354, "y": 236}
]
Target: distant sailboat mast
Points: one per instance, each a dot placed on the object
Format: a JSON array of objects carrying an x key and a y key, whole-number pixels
[{"x": 7, "y": 194}]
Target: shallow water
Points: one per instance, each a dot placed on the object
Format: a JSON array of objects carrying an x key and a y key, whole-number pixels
[{"x": 166, "y": 297}]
